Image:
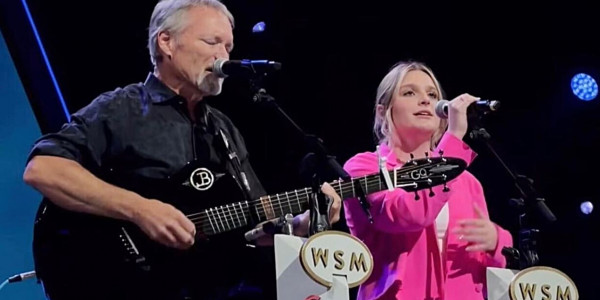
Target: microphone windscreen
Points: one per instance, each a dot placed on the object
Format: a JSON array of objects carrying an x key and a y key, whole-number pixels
[{"x": 441, "y": 109}]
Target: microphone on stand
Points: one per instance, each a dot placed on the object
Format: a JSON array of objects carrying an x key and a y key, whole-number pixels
[
  {"x": 244, "y": 68},
  {"x": 480, "y": 106},
  {"x": 283, "y": 224},
  {"x": 256, "y": 233}
]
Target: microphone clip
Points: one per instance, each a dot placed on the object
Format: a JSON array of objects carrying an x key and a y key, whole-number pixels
[
  {"x": 319, "y": 206},
  {"x": 479, "y": 133}
]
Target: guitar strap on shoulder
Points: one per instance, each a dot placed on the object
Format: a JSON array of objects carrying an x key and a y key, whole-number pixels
[
  {"x": 239, "y": 176},
  {"x": 381, "y": 161}
]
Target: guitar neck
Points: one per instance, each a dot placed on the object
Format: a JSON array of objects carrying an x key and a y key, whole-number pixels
[
  {"x": 294, "y": 202},
  {"x": 366, "y": 184},
  {"x": 240, "y": 214}
]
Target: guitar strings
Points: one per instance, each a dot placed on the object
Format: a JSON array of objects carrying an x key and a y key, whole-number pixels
[
  {"x": 224, "y": 220},
  {"x": 257, "y": 203},
  {"x": 368, "y": 178},
  {"x": 221, "y": 222},
  {"x": 221, "y": 219}
]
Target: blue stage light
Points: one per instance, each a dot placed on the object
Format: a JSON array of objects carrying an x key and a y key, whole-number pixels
[
  {"x": 259, "y": 27},
  {"x": 584, "y": 87},
  {"x": 586, "y": 207}
]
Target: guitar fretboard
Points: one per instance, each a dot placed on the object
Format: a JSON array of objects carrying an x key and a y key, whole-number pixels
[{"x": 236, "y": 215}]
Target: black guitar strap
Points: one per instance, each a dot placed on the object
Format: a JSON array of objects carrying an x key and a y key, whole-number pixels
[{"x": 239, "y": 176}]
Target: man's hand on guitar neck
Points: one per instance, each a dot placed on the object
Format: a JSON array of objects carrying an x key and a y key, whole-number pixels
[
  {"x": 301, "y": 221},
  {"x": 165, "y": 224}
]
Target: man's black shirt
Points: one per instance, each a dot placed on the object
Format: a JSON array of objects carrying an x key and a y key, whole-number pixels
[{"x": 144, "y": 130}]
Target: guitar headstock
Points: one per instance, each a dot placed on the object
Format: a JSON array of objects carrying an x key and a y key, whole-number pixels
[{"x": 425, "y": 173}]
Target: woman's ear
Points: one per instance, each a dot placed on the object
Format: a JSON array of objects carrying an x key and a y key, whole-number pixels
[{"x": 380, "y": 110}]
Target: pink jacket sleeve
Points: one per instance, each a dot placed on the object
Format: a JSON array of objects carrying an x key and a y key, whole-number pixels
[
  {"x": 492, "y": 258},
  {"x": 398, "y": 211},
  {"x": 495, "y": 258}
]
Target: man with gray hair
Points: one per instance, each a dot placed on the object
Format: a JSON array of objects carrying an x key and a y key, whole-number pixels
[{"x": 153, "y": 157}]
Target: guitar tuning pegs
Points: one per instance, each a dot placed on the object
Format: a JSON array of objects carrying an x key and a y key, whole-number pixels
[
  {"x": 431, "y": 193},
  {"x": 417, "y": 196},
  {"x": 445, "y": 189},
  {"x": 412, "y": 159},
  {"x": 441, "y": 152},
  {"x": 427, "y": 157}
]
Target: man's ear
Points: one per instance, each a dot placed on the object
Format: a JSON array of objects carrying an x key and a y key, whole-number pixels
[{"x": 165, "y": 43}]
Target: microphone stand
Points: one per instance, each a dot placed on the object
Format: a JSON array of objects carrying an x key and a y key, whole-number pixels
[
  {"x": 318, "y": 158},
  {"x": 528, "y": 204}
]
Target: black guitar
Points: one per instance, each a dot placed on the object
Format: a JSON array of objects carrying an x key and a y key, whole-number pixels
[{"x": 199, "y": 193}]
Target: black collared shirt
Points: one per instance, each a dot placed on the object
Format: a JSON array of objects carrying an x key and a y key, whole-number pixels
[{"x": 144, "y": 130}]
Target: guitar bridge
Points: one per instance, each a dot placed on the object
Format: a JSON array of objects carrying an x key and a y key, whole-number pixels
[
  {"x": 132, "y": 253},
  {"x": 128, "y": 243}
]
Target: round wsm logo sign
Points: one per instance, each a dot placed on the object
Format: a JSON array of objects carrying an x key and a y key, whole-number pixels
[
  {"x": 202, "y": 179},
  {"x": 332, "y": 252}
]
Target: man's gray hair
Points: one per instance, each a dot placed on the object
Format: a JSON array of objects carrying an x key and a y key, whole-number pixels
[{"x": 168, "y": 15}]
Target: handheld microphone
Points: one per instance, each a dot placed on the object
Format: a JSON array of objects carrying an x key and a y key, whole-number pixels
[
  {"x": 481, "y": 106},
  {"x": 244, "y": 67}
]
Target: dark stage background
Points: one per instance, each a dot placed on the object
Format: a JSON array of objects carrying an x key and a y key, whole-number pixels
[{"x": 334, "y": 56}]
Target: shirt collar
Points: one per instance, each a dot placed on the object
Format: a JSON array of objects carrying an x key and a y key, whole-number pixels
[{"x": 158, "y": 91}]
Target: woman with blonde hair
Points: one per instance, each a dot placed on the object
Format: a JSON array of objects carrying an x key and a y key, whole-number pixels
[{"x": 425, "y": 247}]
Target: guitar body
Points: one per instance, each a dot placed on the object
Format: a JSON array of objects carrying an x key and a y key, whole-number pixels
[{"x": 83, "y": 256}]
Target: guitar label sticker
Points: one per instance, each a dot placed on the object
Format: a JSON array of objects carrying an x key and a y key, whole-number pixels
[
  {"x": 419, "y": 174},
  {"x": 202, "y": 179}
]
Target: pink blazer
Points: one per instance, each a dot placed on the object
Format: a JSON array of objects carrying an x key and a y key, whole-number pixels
[{"x": 403, "y": 241}]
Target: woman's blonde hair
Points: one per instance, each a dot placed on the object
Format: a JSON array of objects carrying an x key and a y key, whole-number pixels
[{"x": 383, "y": 126}]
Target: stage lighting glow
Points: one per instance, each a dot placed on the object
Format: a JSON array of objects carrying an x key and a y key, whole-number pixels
[
  {"x": 584, "y": 87},
  {"x": 259, "y": 27},
  {"x": 586, "y": 207}
]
